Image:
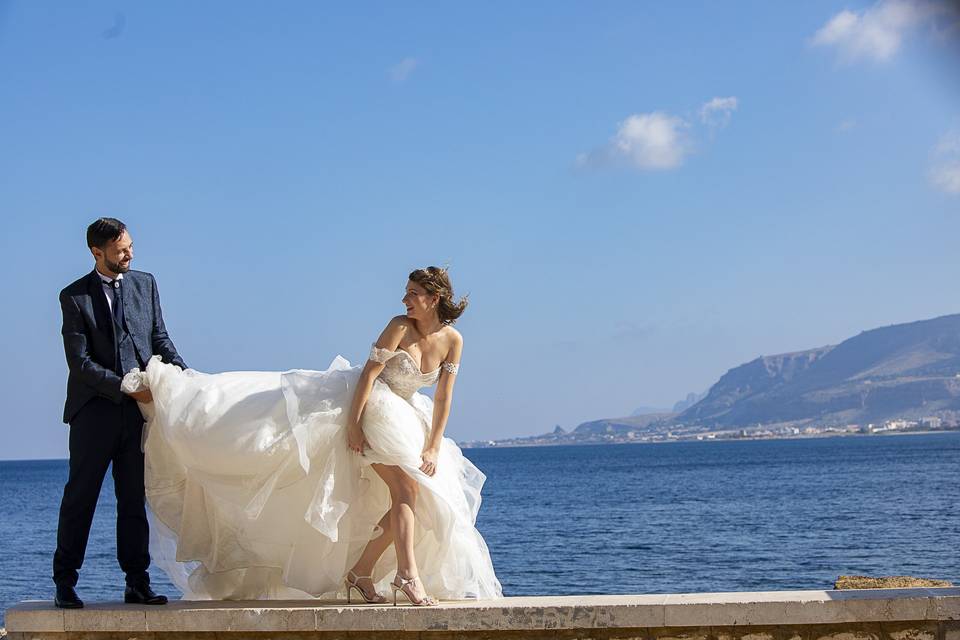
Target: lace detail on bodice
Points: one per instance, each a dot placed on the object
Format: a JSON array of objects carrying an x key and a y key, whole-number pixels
[
  {"x": 401, "y": 373},
  {"x": 380, "y": 355}
]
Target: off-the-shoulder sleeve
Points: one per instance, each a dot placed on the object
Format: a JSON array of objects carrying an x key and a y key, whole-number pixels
[
  {"x": 380, "y": 355},
  {"x": 451, "y": 367}
]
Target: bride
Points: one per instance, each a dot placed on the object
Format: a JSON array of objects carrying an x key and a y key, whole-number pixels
[{"x": 312, "y": 483}]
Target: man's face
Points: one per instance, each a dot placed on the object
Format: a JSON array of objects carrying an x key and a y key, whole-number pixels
[{"x": 114, "y": 258}]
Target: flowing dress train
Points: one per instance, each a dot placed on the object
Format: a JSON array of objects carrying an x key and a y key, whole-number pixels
[{"x": 253, "y": 493}]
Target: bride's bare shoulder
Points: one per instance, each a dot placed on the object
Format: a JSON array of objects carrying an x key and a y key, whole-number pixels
[
  {"x": 453, "y": 336},
  {"x": 399, "y": 326},
  {"x": 393, "y": 333},
  {"x": 400, "y": 322}
]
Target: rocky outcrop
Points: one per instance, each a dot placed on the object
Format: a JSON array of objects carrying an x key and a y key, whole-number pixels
[
  {"x": 645, "y": 424},
  {"x": 887, "y": 582},
  {"x": 691, "y": 399}
]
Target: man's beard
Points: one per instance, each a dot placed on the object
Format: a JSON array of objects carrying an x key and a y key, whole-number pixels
[{"x": 115, "y": 266}]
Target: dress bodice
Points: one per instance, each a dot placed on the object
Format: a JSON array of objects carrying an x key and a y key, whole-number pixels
[{"x": 401, "y": 373}]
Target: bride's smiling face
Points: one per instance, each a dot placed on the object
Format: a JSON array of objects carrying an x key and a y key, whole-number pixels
[{"x": 420, "y": 304}]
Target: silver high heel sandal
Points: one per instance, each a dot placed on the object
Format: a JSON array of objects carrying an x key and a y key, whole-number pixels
[
  {"x": 400, "y": 584},
  {"x": 351, "y": 581}
]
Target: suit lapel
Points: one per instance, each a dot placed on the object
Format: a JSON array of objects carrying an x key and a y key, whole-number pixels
[{"x": 101, "y": 310}]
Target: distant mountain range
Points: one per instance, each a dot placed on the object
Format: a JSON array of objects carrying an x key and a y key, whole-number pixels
[{"x": 906, "y": 372}]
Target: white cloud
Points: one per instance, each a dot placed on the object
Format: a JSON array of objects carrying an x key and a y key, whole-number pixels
[
  {"x": 657, "y": 141},
  {"x": 947, "y": 178},
  {"x": 846, "y": 125},
  {"x": 717, "y": 112},
  {"x": 652, "y": 141},
  {"x": 402, "y": 70},
  {"x": 949, "y": 144},
  {"x": 945, "y": 174},
  {"x": 645, "y": 141},
  {"x": 877, "y": 32}
]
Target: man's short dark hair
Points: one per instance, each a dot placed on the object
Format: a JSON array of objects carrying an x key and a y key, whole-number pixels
[{"x": 104, "y": 231}]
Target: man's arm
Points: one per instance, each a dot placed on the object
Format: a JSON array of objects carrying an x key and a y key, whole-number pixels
[
  {"x": 161, "y": 342},
  {"x": 105, "y": 381}
]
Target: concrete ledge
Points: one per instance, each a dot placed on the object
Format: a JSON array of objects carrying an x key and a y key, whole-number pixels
[{"x": 874, "y": 614}]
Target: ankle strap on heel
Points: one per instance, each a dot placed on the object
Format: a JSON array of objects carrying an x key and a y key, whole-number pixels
[
  {"x": 356, "y": 577},
  {"x": 400, "y": 582}
]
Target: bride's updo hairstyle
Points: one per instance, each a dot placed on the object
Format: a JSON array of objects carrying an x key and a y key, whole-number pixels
[{"x": 436, "y": 281}]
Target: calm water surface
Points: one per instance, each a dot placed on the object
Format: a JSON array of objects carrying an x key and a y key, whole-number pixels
[{"x": 698, "y": 516}]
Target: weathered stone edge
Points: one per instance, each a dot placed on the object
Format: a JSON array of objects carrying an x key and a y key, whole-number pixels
[
  {"x": 511, "y": 614},
  {"x": 917, "y": 630}
]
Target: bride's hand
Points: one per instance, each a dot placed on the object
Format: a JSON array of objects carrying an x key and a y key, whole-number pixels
[
  {"x": 355, "y": 439},
  {"x": 429, "y": 457}
]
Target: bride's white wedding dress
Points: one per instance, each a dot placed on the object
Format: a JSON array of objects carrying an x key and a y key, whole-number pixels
[{"x": 253, "y": 492}]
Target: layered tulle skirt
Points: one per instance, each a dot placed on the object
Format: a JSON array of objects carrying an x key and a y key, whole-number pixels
[{"x": 253, "y": 493}]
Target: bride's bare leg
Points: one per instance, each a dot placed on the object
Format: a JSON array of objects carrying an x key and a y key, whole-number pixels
[
  {"x": 403, "y": 496},
  {"x": 373, "y": 551}
]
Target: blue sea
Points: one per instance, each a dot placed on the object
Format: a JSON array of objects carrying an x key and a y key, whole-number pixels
[{"x": 640, "y": 518}]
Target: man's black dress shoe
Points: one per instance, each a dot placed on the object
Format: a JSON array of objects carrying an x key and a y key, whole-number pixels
[
  {"x": 67, "y": 598},
  {"x": 142, "y": 594}
]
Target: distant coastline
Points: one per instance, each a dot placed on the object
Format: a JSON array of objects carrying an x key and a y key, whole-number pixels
[
  {"x": 534, "y": 441},
  {"x": 901, "y": 378},
  {"x": 530, "y": 441}
]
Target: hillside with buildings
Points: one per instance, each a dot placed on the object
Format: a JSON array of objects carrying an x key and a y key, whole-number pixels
[{"x": 903, "y": 377}]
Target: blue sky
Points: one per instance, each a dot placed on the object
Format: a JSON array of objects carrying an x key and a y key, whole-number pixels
[{"x": 637, "y": 196}]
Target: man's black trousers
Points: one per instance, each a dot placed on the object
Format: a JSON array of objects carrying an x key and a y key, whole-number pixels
[{"x": 100, "y": 434}]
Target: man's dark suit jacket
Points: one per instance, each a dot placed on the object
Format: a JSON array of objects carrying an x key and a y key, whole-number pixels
[{"x": 88, "y": 336}]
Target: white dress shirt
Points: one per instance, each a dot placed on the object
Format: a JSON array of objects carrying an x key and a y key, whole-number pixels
[{"x": 108, "y": 288}]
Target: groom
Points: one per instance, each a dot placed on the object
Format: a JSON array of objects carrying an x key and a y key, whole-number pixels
[{"x": 111, "y": 324}]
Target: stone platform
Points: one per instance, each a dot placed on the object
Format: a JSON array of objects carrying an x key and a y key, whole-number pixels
[{"x": 874, "y": 614}]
